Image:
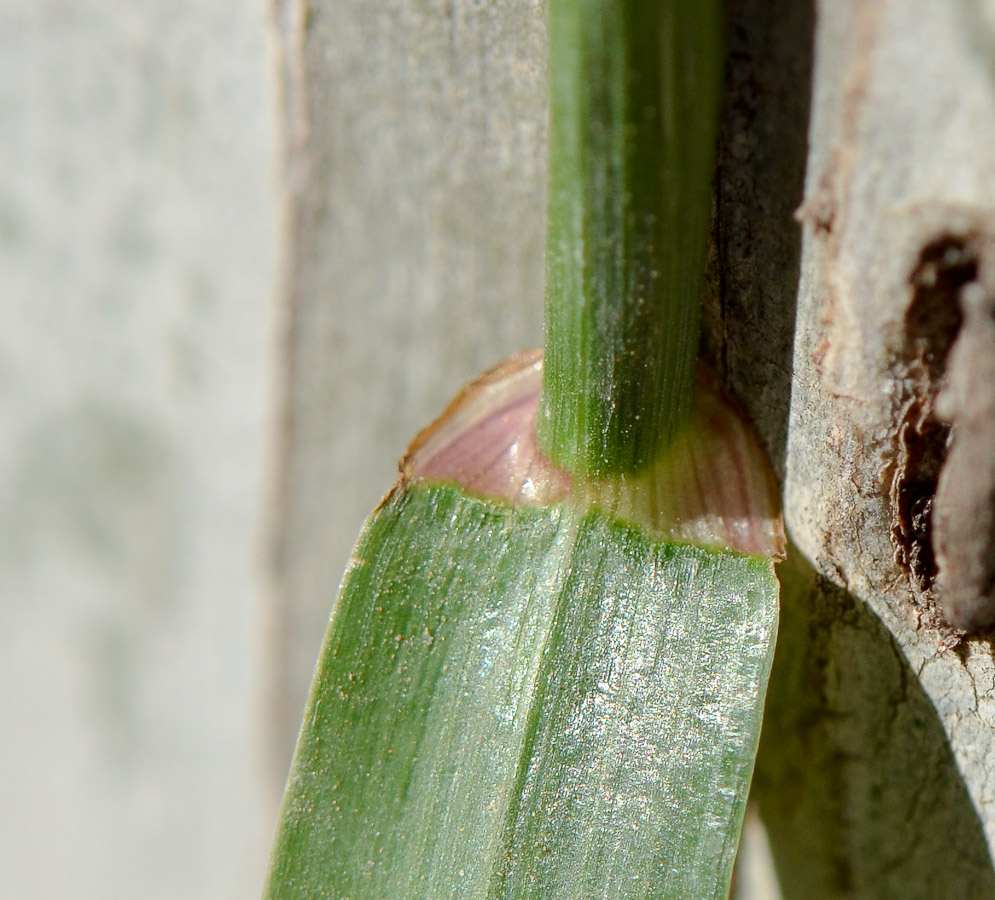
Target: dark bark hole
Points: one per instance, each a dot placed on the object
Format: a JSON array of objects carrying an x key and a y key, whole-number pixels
[
  {"x": 924, "y": 446},
  {"x": 932, "y": 322},
  {"x": 934, "y": 316}
]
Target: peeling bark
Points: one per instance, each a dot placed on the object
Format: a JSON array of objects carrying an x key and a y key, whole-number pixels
[{"x": 964, "y": 508}]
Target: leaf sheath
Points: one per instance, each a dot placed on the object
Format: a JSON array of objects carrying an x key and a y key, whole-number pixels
[{"x": 634, "y": 91}]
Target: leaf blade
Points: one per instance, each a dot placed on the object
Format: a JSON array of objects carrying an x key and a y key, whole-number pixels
[
  {"x": 408, "y": 779},
  {"x": 654, "y": 679}
]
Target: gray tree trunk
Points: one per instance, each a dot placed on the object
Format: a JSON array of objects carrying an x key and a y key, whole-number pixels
[
  {"x": 878, "y": 777},
  {"x": 859, "y": 342}
]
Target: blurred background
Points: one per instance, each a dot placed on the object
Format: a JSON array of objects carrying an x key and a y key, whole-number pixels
[
  {"x": 138, "y": 363},
  {"x": 246, "y": 251}
]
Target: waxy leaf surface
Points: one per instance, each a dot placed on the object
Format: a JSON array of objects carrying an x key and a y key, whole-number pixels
[{"x": 527, "y": 702}]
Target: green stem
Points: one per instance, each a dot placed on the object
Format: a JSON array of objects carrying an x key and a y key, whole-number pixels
[{"x": 634, "y": 92}]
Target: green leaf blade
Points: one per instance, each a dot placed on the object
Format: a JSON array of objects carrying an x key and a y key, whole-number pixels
[
  {"x": 417, "y": 703},
  {"x": 646, "y": 723},
  {"x": 527, "y": 702}
]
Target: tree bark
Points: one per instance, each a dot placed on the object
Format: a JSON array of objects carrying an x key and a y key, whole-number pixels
[{"x": 888, "y": 483}]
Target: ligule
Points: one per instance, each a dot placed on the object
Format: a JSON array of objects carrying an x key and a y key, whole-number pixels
[{"x": 711, "y": 486}]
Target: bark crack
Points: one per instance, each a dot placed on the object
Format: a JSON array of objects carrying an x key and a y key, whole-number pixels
[{"x": 925, "y": 488}]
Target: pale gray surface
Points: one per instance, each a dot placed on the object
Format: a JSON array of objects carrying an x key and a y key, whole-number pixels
[
  {"x": 417, "y": 208},
  {"x": 137, "y": 234}
]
